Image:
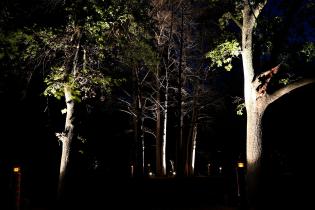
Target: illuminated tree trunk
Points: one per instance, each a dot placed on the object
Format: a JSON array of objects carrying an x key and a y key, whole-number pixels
[
  {"x": 158, "y": 147},
  {"x": 165, "y": 127},
  {"x": 192, "y": 140},
  {"x": 254, "y": 153},
  {"x": 138, "y": 125},
  {"x": 68, "y": 135},
  {"x": 253, "y": 131},
  {"x": 256, "y": 102},
  {"x": 191, "y": 151},
  {"x": 161, "y": 140},
  {"x": 180, "y": 150},
  {"x": 66, "y": 139}
]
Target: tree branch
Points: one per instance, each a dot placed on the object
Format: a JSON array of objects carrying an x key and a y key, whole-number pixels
[
  {"x": 257, "y": 9},
  {"x": 287, "y": 89},
  {"x": 236, "y": 21},
  {"x": 262, "y": 80}
]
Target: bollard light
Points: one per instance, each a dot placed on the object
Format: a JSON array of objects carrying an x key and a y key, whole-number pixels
[
  {"x": 16, "y": 169},
  {"x": 240, "y": 165}
]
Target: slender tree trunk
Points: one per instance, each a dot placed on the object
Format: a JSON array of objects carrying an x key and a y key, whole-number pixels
[
  {"x": 164, "y": 133},
  {"x": 191, "y": 141},
  {"x": 66, "y": 139},
  {"x": 142, "y": 143},
  {"x": 193, "y": 150},
  {"x": 158, "y": 147},
  {"x": 138, "y": 126},
  {"x": 165, "y": 126},
  {"x": 180, "y": 160},
  {"x": 167, "y": 68}
]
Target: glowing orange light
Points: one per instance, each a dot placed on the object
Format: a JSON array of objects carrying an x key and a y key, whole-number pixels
[
  {"x": 16, "y": 169},
  {"x": 240, "y": 165}
]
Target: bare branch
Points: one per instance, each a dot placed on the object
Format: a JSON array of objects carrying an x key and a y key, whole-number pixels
[
  {"x": 146, "y": 130},
  {"x": 232, "y": 17},
  {"x": 128, "y": 112},
  {"x": 124, "y": 101},
  {"x": 259, "y": 7},
  {"x": 236, "y": 22},
  {"x": 156, "y": 102},
  {"x": 255, "y": 9},
  {"x": 261, "y": 82},
  {"x": 287, "y": 89},
  {"x": 144, "y": 77}
]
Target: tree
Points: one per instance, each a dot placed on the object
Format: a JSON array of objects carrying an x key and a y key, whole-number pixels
[
  {"x": 258, "y": 91},
  {"x": 161, "y": 23},
  {"x": 140, "y": 60},
  {"x": 75, "y": 58},
  {"x": 162, "y": 13},
  {"x": 257, "y": 99},
  {"x": 180, "y": 74}
]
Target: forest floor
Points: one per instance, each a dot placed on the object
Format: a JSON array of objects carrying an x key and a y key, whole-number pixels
[{"x": 206, "y": 193}]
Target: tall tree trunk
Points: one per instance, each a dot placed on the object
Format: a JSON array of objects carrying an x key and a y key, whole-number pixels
[
  {"x": 165, "y": 112},
  {"x": 66, "y": 139},
  {"x": 191, "y": 141},
  {"x": 180, "y": 159},
  {"x": 68, "y": 135},
  {"x": 164, "y": 132},
  {"x": 253, "y": 110},
  {"x": 158, "y": 145},
  {"x": 254, "y": 154},
  {"x": 193, "y": 150},
  {"x": 138, "y": 125},
  {"x": 256, "y": 103},
  {"x": 166, "y": 95}
]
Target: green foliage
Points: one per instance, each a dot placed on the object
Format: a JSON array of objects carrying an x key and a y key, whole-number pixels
[
  {"x": 309, "y": 51},
  {"x": 224, "y": 20},
  {"x": 222, "y": 54},
  {"x": 240, "y": 105},
  {"x": 55, "y": 83},
  {"x": 240, "y": 108},
  {"x": 12, "y": 45},
  {"x": 102, "y": 31},
  {"x": 284, "y": 81},
  {"x": 140, "y": 52}
]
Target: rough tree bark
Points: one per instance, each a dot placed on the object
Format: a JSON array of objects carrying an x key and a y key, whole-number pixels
[
  {"x": 68, "y": 135},
  {"x": 192, "y": 139},
  {"x": 66, "y": 139},
  {"x": 158, "y": 147},
  {"x": 256, "y": 102}
]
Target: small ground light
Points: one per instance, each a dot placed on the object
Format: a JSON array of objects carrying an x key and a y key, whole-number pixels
[
  {"x": 209, "y": 168},
  {"x": 16, "y": 169},
  {"x": 17, "y": 172},
  {"x": 240, "y": 165}
]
